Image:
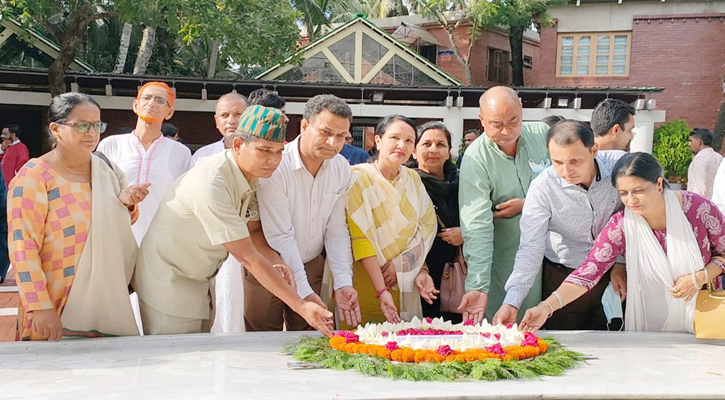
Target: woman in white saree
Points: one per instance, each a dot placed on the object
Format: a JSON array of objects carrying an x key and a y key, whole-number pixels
[{"x": 673, "y": 242}]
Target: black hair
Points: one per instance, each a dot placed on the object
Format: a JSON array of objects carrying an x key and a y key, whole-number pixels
[
  {"x": 433, "y": 125},
  {"x": 63, "y": 104},
  {"x": 608, "y": 113},
  {"x": 386, "y": 121},
  {"x": 267, "y": 98},
  {"x": 13, "y": 128},
  {"x": 329, "y": 102},
  {"x": 168, "y": 129},
  {"x": 569, "y": 131},
  {"x": 639, "y": 165},
  {"x": 703, "y": 134},
  {"x": 551, "y": 120}
]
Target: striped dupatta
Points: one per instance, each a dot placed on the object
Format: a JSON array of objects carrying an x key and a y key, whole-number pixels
[{"x": 397, "y": 217}]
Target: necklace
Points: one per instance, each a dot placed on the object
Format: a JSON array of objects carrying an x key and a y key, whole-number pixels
[{"x": 55, "y": 153}]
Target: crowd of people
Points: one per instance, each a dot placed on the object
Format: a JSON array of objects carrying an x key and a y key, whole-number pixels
[{"x": 554, "y": 222}]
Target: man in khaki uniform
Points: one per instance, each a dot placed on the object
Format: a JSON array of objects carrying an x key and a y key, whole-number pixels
[{"x": 211, "y": 212}]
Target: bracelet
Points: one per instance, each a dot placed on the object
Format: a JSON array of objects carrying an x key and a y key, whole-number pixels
[
  {"x": 550, "y": 306},
  {"x": 558, "y": 297},
  {"x": 707, "y": 275},
  {"x": 717, "y": 263},
  {"x": 380, "y": 293},
  {"x": 694, "y": 280}
]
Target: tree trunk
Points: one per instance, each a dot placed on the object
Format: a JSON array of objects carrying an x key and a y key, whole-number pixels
[
  {"x": 123, "y": 48},
  {"x": 213, "y": 57},
  {"x": 76, "y": 30},
  {"x": 516, "y": 41},
  {"x": 144, "y": 51},
  {"x": 465, "y": 63}
]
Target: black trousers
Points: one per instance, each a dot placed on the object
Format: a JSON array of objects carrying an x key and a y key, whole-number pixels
[{"x": 585, "y": 313}]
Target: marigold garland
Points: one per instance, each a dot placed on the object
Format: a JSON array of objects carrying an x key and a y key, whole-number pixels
[
  {"x": 551, "y": 359},
  {"x": 341, "y": 342}
]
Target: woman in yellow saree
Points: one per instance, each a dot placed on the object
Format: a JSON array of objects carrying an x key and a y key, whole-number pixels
[{"x": 392, "y": 227}]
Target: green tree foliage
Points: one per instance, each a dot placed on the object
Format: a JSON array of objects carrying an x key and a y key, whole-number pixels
[
  {"x": 672, "y": 150},
  {"x": 249, "y": 33}
]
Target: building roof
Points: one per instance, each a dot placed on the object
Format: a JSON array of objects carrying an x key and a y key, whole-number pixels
[
  {"x": 29, "y": 81},
  {"x": 359, "y": 52},
  {"x": 36, "y": 45}
]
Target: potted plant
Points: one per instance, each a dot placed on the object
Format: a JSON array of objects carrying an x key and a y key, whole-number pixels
[{"x": 672, "y": 150}]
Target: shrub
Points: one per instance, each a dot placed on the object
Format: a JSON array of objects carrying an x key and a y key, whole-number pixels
[{"x": 672, "y": 150}]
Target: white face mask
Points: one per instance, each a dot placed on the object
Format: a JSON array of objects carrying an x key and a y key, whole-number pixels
[
  {"x": 538, "y": 167},
  {"x": 612, "y": 304}
]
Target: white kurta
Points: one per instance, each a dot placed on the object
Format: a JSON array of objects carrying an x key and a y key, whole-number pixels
[
  {"x": 229, "y": 282},
  {"x": 206, "y": 152},
  {"x": 163, "y": 162}
]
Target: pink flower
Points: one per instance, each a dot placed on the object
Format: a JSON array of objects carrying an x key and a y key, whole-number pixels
[
  {"x": 496, "y": 349},
  {"x": 509, "y": 326},
  {"x": 428, "y": 319},
  {"x": 349, "y": 336},
  {"x": 392, "y": 346},
  {"x": 530, "y": 340},
  {"x": 469, "y": 322},
  {"x": 444, "y": 350}
]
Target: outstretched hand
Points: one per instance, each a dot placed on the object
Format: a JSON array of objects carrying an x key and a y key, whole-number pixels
[
  {"x": 534, "y": 318},
  {"x": 505, "y": 315},
  {"x": 317, "y": 317},
  {"x": 473, "y": 305},
  {"x": 426, "y": 287},
  {"x": 134, "y": 194}
]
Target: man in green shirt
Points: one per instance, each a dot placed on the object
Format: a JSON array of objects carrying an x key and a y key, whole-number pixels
[{"x": 493, "y": 183}]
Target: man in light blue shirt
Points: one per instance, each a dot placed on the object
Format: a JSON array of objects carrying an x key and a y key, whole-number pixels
[{"x": 566, "y": 207}]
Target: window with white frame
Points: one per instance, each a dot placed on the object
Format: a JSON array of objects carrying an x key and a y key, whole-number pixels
[{"x": 593, "y": 54}]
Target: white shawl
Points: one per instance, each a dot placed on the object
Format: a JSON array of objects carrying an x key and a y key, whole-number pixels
[{"x": 651, "y": 272}]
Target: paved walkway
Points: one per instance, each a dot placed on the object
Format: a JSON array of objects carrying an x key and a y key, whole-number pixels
[{"x": 9, "y": 301}]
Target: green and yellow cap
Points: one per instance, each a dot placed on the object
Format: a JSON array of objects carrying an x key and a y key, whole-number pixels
[{"x": 263, "y": 122}]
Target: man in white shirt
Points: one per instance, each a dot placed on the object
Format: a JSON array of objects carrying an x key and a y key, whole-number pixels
[
  {"x": 704, "y": 165},
  {"x": 229, "y": 108},
  {"x": 302, "y": 209},
  {"x": 145, "y": 155}
]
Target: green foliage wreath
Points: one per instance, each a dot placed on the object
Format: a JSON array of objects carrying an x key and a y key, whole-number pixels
[{"x": 318, "y": 351}]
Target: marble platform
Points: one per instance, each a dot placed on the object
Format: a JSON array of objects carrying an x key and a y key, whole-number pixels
[{"x": 250, "y": 366}]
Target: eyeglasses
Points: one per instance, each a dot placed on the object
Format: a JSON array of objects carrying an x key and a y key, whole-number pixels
[
  {"x": 158, "y": 100},
  {"x": 83, "y": 127}
]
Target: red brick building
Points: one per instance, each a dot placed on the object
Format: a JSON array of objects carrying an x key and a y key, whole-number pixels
[
  {"x": 489, "y": 58},
  {"x": 678, "y": 45}
]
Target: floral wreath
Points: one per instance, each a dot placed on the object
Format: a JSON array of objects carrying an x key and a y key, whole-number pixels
[{"x": 436, "y": 350}]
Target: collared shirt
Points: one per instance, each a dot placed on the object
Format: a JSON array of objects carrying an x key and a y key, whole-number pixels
[
  {"x": 488, "y": 178},
  {"x": 163, "y": 162},
  {"x": 207, "y": 151},
  {"x": 561, "y": 221},
  {"x": 301, "y": 214},
  {"x": 354, "y": 155},
  {"x": 701, "y": 174},
  {"x": 209, "y": 206}
]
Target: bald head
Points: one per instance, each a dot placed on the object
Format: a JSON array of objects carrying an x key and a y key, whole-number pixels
[
  {"x": 229, "y": 109},
  {"x": 232, "y": 97},
  {"x": 501, "y": 117},
  {"x": 498, "y": 94}
]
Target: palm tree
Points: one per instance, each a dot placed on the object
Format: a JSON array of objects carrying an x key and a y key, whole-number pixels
[{"x": 315, "y": 15}]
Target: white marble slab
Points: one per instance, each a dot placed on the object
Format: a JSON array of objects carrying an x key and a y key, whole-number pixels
[{"x": 250, "y": 366}]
